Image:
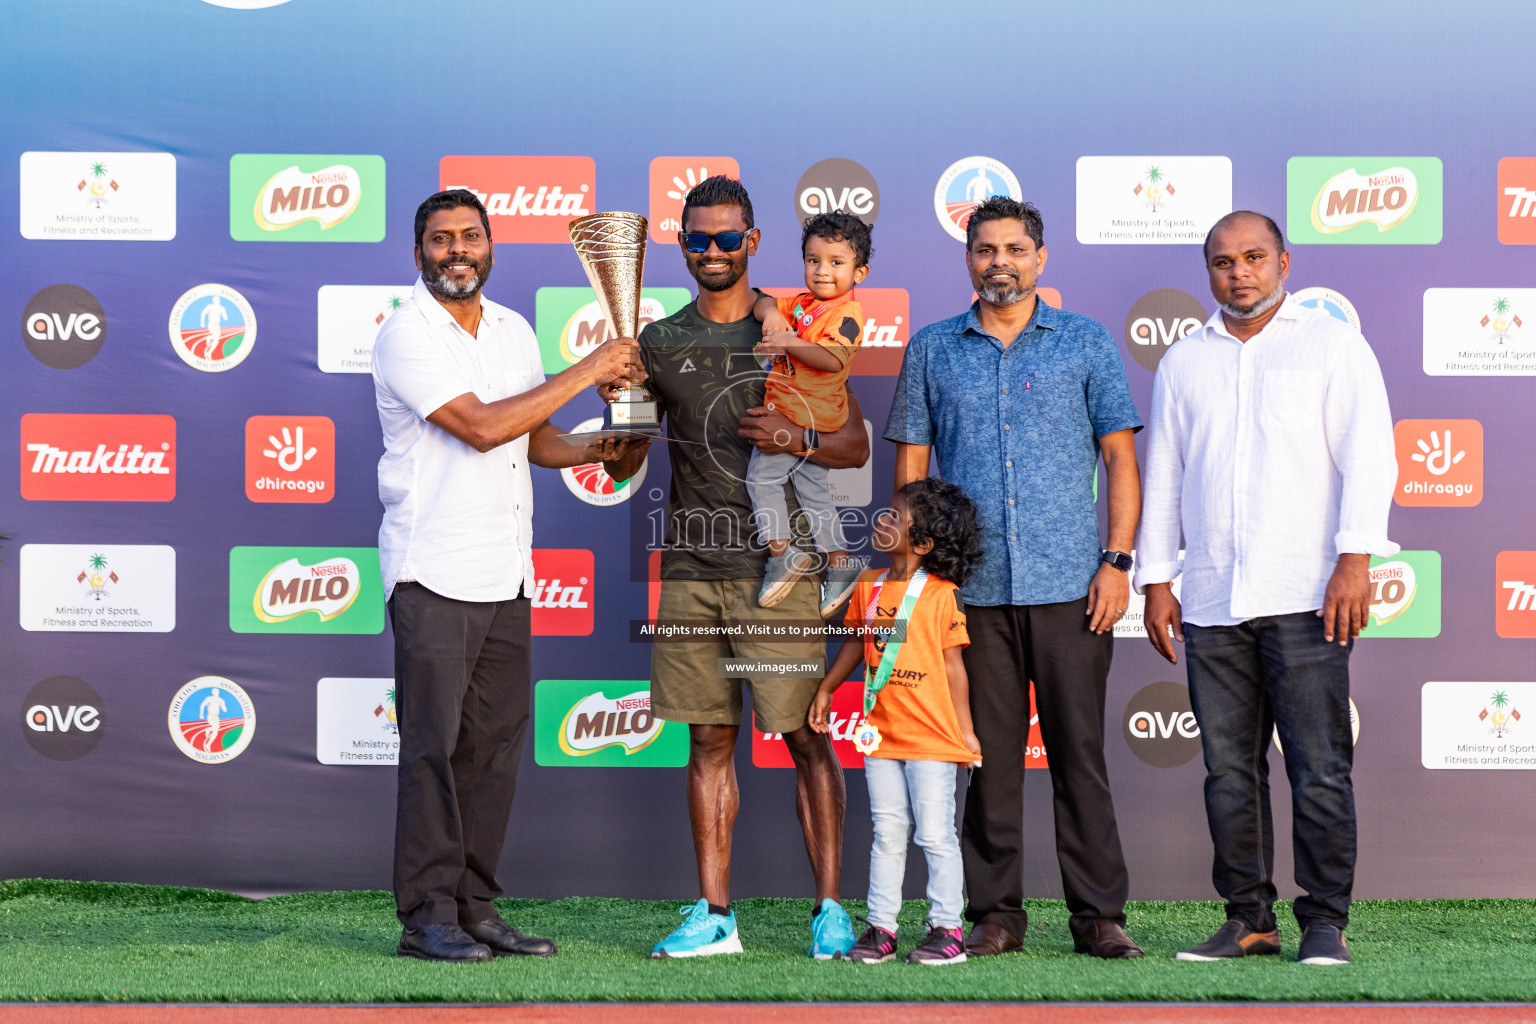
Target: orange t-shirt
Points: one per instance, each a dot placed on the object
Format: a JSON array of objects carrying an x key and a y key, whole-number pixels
[
  {"x": 809, "y": 397},
  {"x": 915, "y": 712}
]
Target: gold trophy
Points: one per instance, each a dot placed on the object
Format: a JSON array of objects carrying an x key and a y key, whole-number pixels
[{"x": 612, "y": 251}]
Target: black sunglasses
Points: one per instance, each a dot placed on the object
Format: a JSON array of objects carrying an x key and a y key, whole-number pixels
[{"x": 727, "y": 241}]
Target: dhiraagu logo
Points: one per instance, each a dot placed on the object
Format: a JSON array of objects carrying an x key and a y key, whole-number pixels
[
  {"x": 570, "y": 323},
  {"x": 305, "y": 590},
  {"x": 1364, "y": 200},
  {"x": 1405, "y": 595},
  {"x": 277, "y": 197},
  {"x": 603, "y": 723}
]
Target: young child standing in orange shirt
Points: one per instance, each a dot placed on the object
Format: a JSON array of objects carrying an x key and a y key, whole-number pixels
[
  {"x": 811, "y": 339},
  {"x": 917, "y": 727}
]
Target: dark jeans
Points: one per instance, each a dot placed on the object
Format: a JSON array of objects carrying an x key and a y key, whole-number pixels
[
  {"x": 1051, "y": 644},
  {"x": 1245, "y": 682},
  {"x": 462, "y": 677}
]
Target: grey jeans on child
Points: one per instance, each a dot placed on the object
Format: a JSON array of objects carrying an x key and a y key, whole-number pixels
[{"x": 770, "y": 511}]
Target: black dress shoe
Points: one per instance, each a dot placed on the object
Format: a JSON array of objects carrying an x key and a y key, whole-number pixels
[
  {"x": 504, "y": 940},
  {"x": 445, "y": 942},
  {"x": 1108, "y": 941},
  {"x": 990, "y": 940}
]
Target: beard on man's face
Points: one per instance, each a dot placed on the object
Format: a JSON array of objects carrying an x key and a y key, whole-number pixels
[
  {"x": 1001, "y": 292},
  {"x": 442, "y": 284},
  {"x": 1255, "y": 309},
  {"x": 735, "y": 264}
]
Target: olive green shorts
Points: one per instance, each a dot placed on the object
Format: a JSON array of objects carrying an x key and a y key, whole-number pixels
[{"x": 686, "y": 682}]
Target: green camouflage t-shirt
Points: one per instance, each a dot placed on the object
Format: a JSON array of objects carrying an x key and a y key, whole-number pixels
[{"x": 705, "y": 377}]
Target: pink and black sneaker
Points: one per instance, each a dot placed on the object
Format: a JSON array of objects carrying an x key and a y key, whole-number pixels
[
  {"x": 875, "y": 946},
  {"x": 942, "y": 946}
]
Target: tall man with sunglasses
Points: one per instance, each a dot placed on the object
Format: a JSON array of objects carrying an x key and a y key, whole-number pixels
[{"x": 709, "y": 386}]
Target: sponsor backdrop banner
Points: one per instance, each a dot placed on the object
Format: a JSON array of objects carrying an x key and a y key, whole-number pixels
[{"x": 197, "y": 654}]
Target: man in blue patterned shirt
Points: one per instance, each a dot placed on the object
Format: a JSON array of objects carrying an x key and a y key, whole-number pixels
[{"x": 1018, "y": 400}]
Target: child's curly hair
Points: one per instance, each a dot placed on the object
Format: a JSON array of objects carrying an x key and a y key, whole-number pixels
[{"x": 942, "y": 513}]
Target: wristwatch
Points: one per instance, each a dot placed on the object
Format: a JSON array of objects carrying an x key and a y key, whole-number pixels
[
  {"x": 1119, "y": 559},
  {"x": 810, "y": 441}
]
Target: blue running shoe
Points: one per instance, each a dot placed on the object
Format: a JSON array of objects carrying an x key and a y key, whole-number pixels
[
  {"x": 702, "y": 934},
  {"x": 832, "y": 936}
]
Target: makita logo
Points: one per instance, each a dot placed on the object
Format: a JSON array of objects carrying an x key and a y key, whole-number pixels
[
  {"x": 60, "y": 460},
  {"x": 842, "y": 726},
  {"x": 293, "y": 589},
  {"x": 1522, "y": 595},
  {"x": 545, "y": 201},
  {"x": 1522, "y": 202},
  {"x": 68, "y": 457},
  {"x": 528, "y": 198},
  {"x": 563, "y": 591},
  {"x": 1517, "y": 200}
]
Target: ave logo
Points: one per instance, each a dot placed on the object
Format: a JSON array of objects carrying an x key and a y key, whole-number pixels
[
  {"x": 563, "y": 591},
  {"x": 1157, "y": 320},
  {"x": 1439, "y": 462},
  {"x": 64, "y": 326},
  {"x": 672, "y": 177},
  {"x": 837, "y": 186},
  {"x": 528, "y": 198},
  {"x": 61, "y": 718},
  {"x": 1160, "y": 726},
  {"x": 290, "y": 458}
]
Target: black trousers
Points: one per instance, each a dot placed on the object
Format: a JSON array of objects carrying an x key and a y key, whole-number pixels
[
  {"x": 1274, "y": 674},
  {"x": 1051, "y": 644},
  {"x": 462, "y": 680}
]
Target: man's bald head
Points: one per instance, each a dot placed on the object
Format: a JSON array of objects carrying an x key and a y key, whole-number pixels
[{"x": 1236, "y": 216}]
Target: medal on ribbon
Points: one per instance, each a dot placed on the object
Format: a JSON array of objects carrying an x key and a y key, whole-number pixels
[{"x": 866, "y": 738}]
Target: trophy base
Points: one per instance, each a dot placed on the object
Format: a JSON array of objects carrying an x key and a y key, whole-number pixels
[
  {"x": 633, "y": 414},
  {"x": 592, "y": 436}
]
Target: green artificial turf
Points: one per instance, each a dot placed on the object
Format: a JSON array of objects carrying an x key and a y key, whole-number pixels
[{"x": 97, "y": 941}]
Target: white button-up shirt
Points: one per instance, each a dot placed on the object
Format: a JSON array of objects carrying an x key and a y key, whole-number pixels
[
  {"x": 456, "y": 520},
  {"x": 1274, "y": 456}
]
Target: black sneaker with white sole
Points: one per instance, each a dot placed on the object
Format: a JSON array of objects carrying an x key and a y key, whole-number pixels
[
  {"x": 1234, "y": 939},
  {"x": 1322, "y": 945}
]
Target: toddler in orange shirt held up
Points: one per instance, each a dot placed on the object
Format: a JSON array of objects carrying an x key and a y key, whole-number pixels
[
  {"x": 810, "y": 339},
  {"x": 917, "y": 728}
]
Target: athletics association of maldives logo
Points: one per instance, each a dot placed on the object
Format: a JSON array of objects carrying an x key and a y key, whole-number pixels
[
  {"x": 212, "y": 328},
  {"x": 967, "y": 182},
  {"x": 591, "y": 482},
  {"x": 1331, "y": 302},
  {"x": 212, "y": 720}
]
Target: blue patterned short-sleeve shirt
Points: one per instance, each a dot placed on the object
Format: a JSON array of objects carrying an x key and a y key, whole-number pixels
[{"x": 1017, "y": 428}]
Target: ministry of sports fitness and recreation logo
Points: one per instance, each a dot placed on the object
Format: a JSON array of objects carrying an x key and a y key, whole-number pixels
[
  {"x": 290, "y": 458},
  {"x": 1157, "y": 320},
  {"x": 570, "y": 324},
  {"x": 671, "y": 179},
  {"x": 591, "y": 482},
  {"x": 1160, "y": 726},
  {"x": 74, "y": 196},
  {"x": 1439, "y": 462},
  {"x": 1329, "y": 301},
  {"x": 98, "y": 457},
  {"x": 1364, "y": 200},
  {"x": 348, "y": 323},
  {"x": 212, "y": 720},
  {"x": 1151, "y": 200},
  {"x": 64, "y": 326},
  {"x": 62, "y": 718},
  {"x": 1479, "y": 332},
  {"x": 563, "y": 591},
  {"x": 602, "y": 723},
  {"x": 1477, "y": 725},
  {"x": 1405, "y": 596},
  {"x": 1499, "y": 715},
  {"x": 967, "y": 182},
  {"x": 528, "y": 198},
  {"x": 1516, "y": 200},
  {"x": 837, "y": 185},
  {"x": 98, "y": 588},
  {"x": 305, "y": 590},
  {"x": 1515, "y": 596},
  {"x": 288, "y": 197},
  {"x": 212, "y": 328},
  {"x": 356, "y": 721}
]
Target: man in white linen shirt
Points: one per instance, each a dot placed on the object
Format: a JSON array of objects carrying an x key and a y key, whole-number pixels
[
  {"x": 465, "y": 408},
  {"x": 1270, "y": 447}
]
